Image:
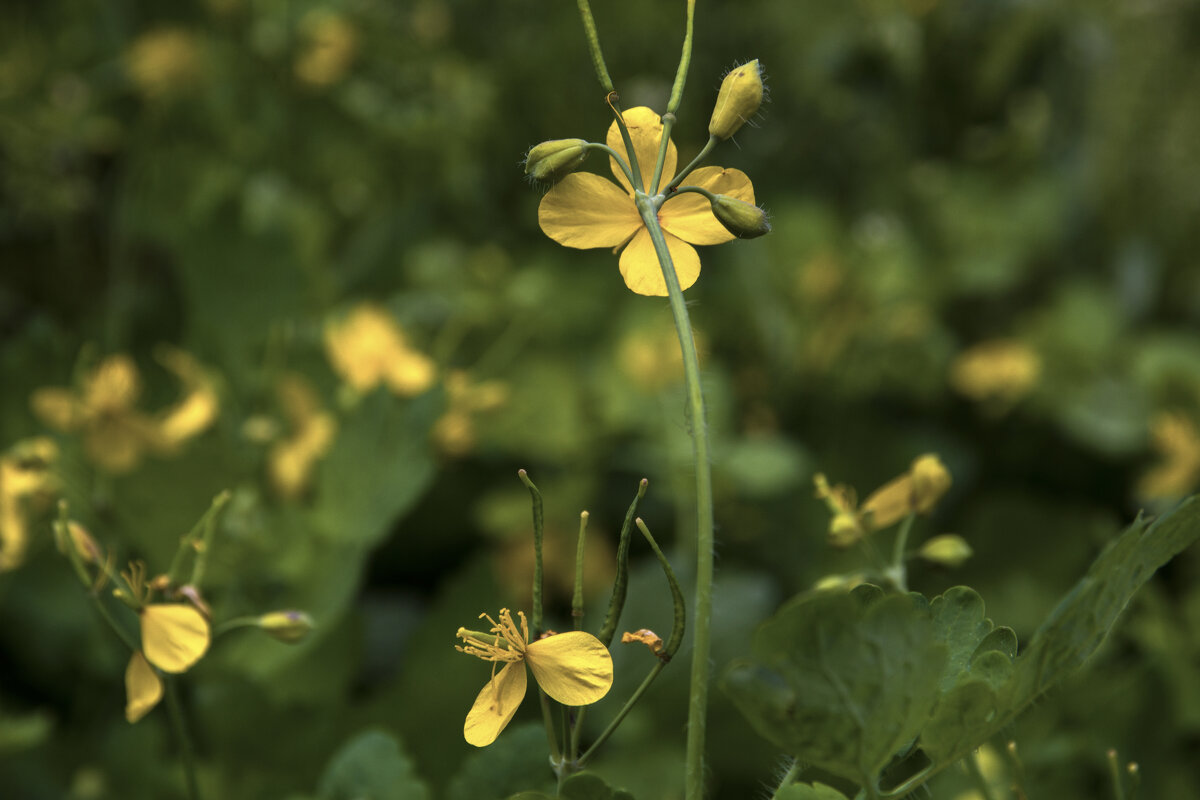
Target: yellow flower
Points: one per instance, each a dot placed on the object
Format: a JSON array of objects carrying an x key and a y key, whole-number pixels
[
  {"x": 174, "y": 637},
  {"x": 24, "y": 475},
  {"x": 454, "y": 431},
  {"x": 332, "y": 44},
  {"x": 573, "y": 668},
  {"x": 116, "y": 434},
  {"x": 585, "y": 210},
  {"x": 1002, "y": 370},
  {"x": 368, "y": 348},
  {"x": 291, "y": 461},
  {"x": 915, "y": 492},
  {"x": 164, "y": 61},
  {"x": 1176, "y": 438}
]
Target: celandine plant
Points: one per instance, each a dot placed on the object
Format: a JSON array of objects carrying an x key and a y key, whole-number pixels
[{"x": 873, "y": 688}]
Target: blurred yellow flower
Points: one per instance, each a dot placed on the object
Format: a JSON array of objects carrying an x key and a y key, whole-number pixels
[
  {"x": 1001, "y": 370},
  {"x": 24, "y": 475},
  {"x": 291, "y": 461},
  {"x": 454, "y": 431},
  {"x": 650, "y": 356},
  {"x": 331, "y": 44},
  {"x": 1177, "y": 439},
  {"x": 573, "y": 668},
  {"x": 368, "y": 348},
  {"x": 116, "y": 434},
  {"x": 585, "y": 210},
  {"x": 915, "y": 492},
  {"x": 162, "y": 62}
]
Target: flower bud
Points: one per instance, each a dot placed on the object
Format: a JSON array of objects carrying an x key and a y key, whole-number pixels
[
  {"x": 286, "y": 626},
  {"x": 550, "y": 161},
  {"x": 948, "y": 550},
  {"x": 740, "y": 96},
  {"x": 742, "y": 219},
  {"x": 930, "y": 480}
]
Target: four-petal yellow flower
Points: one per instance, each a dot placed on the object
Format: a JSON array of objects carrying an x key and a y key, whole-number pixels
[
  {"x": 573, "y": 668},
  {"x": 586, "y": 211}
]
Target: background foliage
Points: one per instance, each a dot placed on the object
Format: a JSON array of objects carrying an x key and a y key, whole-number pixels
[{"x": 230, "y": 177}]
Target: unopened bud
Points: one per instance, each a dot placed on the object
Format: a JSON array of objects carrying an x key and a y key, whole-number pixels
[
  {"x": 742, "y": 219},
  {"x": 930, "y": 480},
  {"x": 286, "y": 626},
  {"x": 740, "y": 96},
  {"x": 84, "y": 544},
  {"x": 948, "y": 550},
  {"x": 550, "y": 161}
]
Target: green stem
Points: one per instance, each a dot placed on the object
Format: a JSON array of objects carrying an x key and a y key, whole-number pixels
[
  {"x": 1114, "y": 771},
  {"x": 698, "y": 699},
  {"x": 790, "y": 777},
  {"x": 551, "y": 735},
  {"x": 898, "y": 571},
  {"x": 620, "y": 161},
  {"x": 625, "y": 709},
  {"x": 175, "y": 709},
  {"x": 593, "y": 40},
  {"x": 668, "y": 122},
  {"x": 685, "y": 60},
  {"x": 683, "y": 173}
]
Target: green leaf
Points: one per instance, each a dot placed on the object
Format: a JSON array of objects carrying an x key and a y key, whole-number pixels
[
  {"x": 959, "y": 623},
  {"x": 963, "y": 719},
  {"x": 372, "y": 766},
  {"x": 804, "y": 791},
  {"x": 514, "y": 762},
  {"x": 1081, "y": 622},
  {"x": 585, "y": 786},
  {"x": 842, "y": 681}
]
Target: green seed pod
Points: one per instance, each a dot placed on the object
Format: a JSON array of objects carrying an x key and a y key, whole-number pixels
[
  {"x": 286, "y": 626},
  {"x": 742, "y": 219},
  {"x": 740, "y": 96},
  {"x": 550, "y": 161}
]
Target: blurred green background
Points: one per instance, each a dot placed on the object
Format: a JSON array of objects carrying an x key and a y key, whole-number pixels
[{"x": 985, "y": 246}]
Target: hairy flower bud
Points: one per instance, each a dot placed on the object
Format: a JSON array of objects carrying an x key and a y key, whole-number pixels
[
  {"x": 742, "y": 219},
  {"x": 286, "y": 626},
  {"x": 740, "y": 96},
  {"x": 552, "y": 160}
]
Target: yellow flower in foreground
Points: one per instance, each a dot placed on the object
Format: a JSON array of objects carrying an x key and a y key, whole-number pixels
[
  {"x": 143, "y": 687},
  {"x": 368, "y": 348},
  {"x": 915, "y": 492},
  {"x": 24, "y": 475},
  {"x": 585, "y": 210},
  {"x": 174, "y": 637},
  {"x": 573, "y": 668},
  {"x": 1002, "y": 370},
  {"x": 1177, "y": 439}
]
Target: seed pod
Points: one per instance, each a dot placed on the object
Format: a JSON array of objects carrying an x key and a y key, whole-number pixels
[
  {"x": 742, "y": 219},
  {"x": 740, "y": 96},
  {"x": 550, "y": 161}
]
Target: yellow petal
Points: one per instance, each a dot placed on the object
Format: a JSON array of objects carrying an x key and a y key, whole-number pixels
[
  {"x": 58, "y": 408},
  {"x": 689, "y": 216},
  {"x": 495, "y": 705},
  {"x": 573, "y": 668},
  {"x": 113, "y": 386},
  {"x": 645, "y": 131},
  {"x": 197, "y": 410},
  {"x": 409, "y": 373},
  {"x": 639, "y": 264},
  {"x": 174, "y": 636},
  {"x": 585, "y": 210},
  {"x": 143, "y": 688},
  {"x": 891, "y": 502}
]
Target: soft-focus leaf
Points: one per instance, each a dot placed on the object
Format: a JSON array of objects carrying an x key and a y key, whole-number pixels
[{"x": 372, "y": 765}]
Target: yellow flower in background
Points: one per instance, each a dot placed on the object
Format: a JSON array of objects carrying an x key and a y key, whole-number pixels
[
  {"x": 331, "y": 45},
  {"x": 197, "y": 410},
  {"x": 573, "y": 668},
  {"x": 368, "y": 348},
  {"x": 585, "y": 210},
  {"x": 1177, "y": 439},
  {"x": 454, "y": 431},
  {"x": 650, "y": 356},
  {"x": 1001, "y": 370},
  {"x": 24, "y": 476},
  {"x": 164, "y": 61},
  {"x": 915, "y": 492},
  {"x": 291, "y": 461}
]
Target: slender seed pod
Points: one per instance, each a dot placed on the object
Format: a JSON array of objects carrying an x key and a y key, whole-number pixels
[
  {"x": 738, "y": 100},
  {"x": 680, "y": 622},
  {"x": 621, "y": 583},
  {"x": 538, "y": 527}
]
